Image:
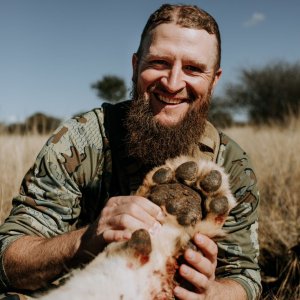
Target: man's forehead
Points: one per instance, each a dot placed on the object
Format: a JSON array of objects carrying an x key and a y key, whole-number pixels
[{"x": 167, "y": 40}]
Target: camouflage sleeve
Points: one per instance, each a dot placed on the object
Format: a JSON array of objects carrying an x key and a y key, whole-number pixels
[
  {"x": 49, "y": 201},
  {"x": 238, "y": 252}
]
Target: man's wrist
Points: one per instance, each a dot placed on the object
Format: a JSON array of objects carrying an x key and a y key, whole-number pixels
[
  {"x": 228, "y": 288},
  {"x": 88, "y": 246}
]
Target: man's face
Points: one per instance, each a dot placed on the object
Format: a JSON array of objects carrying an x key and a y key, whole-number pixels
[{"x": 176, "y": 71}]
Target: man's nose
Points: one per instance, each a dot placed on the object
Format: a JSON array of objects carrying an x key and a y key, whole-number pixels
[{"x": 173, "y": 81}]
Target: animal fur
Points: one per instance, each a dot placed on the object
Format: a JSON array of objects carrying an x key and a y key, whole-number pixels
[{"x": 143, "y": 268}]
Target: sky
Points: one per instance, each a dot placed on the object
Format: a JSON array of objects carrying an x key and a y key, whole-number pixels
[{"x": 51, "y": 51}]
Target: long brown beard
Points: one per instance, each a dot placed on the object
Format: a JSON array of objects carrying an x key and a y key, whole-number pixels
[{"x": 152, "y": 143}]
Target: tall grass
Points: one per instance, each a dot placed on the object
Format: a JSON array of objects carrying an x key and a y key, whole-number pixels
[
  {"x": 275, "y": 152},
  {"x": 17, "y": 154}
]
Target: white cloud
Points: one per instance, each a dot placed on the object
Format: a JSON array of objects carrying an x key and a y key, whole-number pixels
[{"x": 255, "y": 19}]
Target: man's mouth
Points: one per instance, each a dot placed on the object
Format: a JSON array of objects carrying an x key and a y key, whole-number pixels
[{"x": 169, "y": 100}]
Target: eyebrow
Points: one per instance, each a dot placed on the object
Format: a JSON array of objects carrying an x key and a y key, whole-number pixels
[
  {"x": 156, "y": 56},
  {"x": 197, "y": 63}
]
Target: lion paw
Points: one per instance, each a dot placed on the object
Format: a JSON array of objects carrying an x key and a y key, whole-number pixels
[{"x": 197, "y": 192}]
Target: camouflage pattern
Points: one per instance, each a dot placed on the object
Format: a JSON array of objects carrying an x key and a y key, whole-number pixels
[
  {"x": 75, "y": 174},
  {"x": 238, "y": 252}
]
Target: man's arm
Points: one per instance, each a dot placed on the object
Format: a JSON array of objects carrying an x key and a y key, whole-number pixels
[{"x": 32, "y": 262}]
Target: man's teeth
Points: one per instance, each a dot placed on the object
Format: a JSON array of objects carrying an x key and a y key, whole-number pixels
[{"x": 169, "y": 100}]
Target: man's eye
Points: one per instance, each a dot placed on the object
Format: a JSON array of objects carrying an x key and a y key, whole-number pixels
[
  {"x": 159, "y": 63},
  {"x": 193, "y": 69}
]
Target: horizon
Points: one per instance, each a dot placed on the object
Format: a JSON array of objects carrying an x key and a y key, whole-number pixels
[{"x": 52, "y": 51}]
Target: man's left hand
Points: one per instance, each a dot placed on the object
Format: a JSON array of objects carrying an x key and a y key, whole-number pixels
[{"x": 201, "y": 269}]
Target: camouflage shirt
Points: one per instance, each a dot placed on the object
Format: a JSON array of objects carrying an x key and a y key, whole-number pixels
[{"x": 84, "y": 163}]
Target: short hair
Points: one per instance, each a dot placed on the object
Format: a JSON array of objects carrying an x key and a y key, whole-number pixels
[{"x": 189, "y": 16}]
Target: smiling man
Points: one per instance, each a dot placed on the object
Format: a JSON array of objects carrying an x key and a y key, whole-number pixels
[
  {"x": 77, "y": 198},
  {"x": 175, "y": 70}
]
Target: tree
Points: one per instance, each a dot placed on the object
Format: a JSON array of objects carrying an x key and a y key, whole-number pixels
[
  {"x": 219, "y": 114},
  {"x": 270, "y": 93},
  {"x": 36, "y": 123},
  {"x": 111, "y": 88},
  {"x": 41, "y": 123}
]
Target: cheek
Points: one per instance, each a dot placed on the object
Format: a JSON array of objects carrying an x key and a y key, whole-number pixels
[
  {"x": 202, "y": 91},
  {"x": 146, "y": 79}
]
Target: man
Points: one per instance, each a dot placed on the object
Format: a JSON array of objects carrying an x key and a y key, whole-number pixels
[{"x": 77, "y": 198}]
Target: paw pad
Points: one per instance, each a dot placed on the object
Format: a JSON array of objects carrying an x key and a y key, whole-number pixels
[
  {"x": 179, "y": 200},
  {"x": 219, "y": 205},
  {"x": 187, "y": 171},
  {"x": 140, "y": 244},
  {"x": 211, "y": 182},
  {"x": 162, "y": 175},
  {"x": 195, "y": 191}
]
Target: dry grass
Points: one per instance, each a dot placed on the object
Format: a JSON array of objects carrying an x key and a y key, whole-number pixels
[
  {"x": 275, "y": 153},
  {"x": 17, "y": 154}
]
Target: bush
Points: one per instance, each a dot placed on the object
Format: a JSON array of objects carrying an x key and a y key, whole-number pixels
[{"x": 270, "y": 93}]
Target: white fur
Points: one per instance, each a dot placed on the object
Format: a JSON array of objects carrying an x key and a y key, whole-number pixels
[{"x": 110, "y": 277}]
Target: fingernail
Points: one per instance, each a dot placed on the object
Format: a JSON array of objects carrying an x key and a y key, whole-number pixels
[
  {"x": 127, "y": 235},
  {"x": 160, "y": 216},
  {"x": 190, "y": 254},
  {"x": 184, "y": 269},
  {"x": 177, "y": 290},
  {"x": 199, "y": 239},
  {"x": 155, "y": 228}
]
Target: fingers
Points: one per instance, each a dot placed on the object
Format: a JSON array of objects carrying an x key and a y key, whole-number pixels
[
  {"x": 199, "y": 263},
  {"x": 151, "y": 208},
  {"x": 138, "y": 212},
  {"x": 181, "y": 293},
  {"x": 123, "y": 215},
  {"x": 207, "y": 246},
  {"x": 116, "y": 235},
  {"x": 197, "y": 279},
  {"x": 200, "y": 268},
  {"x": 132, "y": 223},
  {"x": 205, "y": 260}
]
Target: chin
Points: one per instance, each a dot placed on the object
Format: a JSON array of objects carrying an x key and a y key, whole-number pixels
[
  {"x": 169, "y": 115},
  {"x": 168, "y": 121}
]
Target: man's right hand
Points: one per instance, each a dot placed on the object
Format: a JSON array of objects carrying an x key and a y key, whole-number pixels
[
  {"x": 31, "y": 261},
  {"x": 124, "y": 214}
]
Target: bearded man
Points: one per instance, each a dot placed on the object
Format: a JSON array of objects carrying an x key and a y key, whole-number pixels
[{"x": 78, "y": 196}]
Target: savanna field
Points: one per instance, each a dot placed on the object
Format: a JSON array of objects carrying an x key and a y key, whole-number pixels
[{"x": 275, "y": 154}]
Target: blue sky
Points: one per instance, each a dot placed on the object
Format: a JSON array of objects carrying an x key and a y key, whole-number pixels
[{"x": 52, "y": 50}]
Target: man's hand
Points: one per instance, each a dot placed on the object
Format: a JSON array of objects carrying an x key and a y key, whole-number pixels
[
  {"x": 123, "y": 215},
  {"x": 201, "y": 269},
  {"x": 201, "y": 274},
  {"x": 44, "y": 259}
]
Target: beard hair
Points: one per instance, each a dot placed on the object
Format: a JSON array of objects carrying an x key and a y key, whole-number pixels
[{"x": 152, "y": 143}]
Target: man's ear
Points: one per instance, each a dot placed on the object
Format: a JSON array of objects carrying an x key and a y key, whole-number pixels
[
  {"x": 134, "y": 62},
  {"x": 217, "y": 77}
]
